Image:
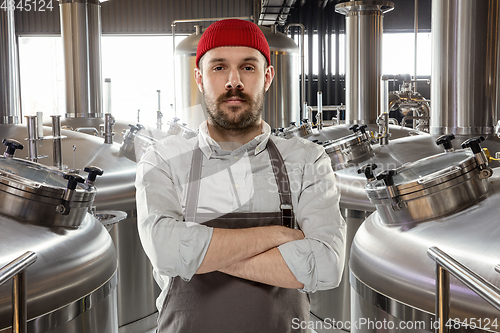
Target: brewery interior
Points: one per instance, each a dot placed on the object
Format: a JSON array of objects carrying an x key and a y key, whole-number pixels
[{"x": 402, "y": 94}]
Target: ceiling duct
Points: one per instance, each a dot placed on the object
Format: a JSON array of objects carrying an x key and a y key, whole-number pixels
[{"x": 275, "y": 11}]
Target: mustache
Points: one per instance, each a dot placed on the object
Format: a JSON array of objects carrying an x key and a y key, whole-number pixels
[{"x": 234, "y": 93}]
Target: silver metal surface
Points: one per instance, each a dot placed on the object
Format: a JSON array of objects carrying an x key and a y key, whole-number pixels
[
  {"x": 57, "y": 144},
  {"x": 10, "y": 99},
  {"x": 465, "y": 53},
  {"x": 475, "y": 282},
  {"x": 393, "y": 262},
  {"x": 33, "y": 193},
  {"x": 72, "y": 264},
  {"x": 15, "y": 270},
  {"x": 95, "y": 63},
  {"x": 109, "y": 122},
  {"x": 281, "y": 103},
  {"x": 429, "y": 188},
  {"x": 137, "y": 289},
  {"x": 32, "y": 138},
  {"x": 74, "y": 32},
  {"x": 364, "y": 21},
  {"x": 347, "y": 150}
]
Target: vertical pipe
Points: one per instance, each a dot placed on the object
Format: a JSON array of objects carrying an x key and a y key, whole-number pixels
[
  {"x": 320, "y": 50},
  {"x": 39, "y": 124},
  {"x": 363, "y": 58},
  {"x": 442, "y": 298},
  {"x": 10, "y": 101},
  {"x": 337, "y": 61},
  {"x": 416, "y": 42},
  {"x": 19, "y": 307},
  {"x": 109, "y": 121},
  {"x": 31, "y": 122},
  {"x": 95, "y": 59},
  {"x": 107, "y": 95},
  {"x": 56, "y": 134},
  {"x": 319, "y": 115},
  {"x": 329, "y": 56},
  {"x": 465, "y": 55},
  {"x": 310, "y": 36},
  {"x": 76, "y": 61},
  {"x": 384, "y": 109}
]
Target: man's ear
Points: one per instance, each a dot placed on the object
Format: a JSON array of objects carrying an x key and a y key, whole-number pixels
[
  {"x": 269, "y": 75},
  {"x": 198, "y": 78}
]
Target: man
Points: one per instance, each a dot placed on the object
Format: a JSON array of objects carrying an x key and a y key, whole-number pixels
[{"x": 215, "y": 211}]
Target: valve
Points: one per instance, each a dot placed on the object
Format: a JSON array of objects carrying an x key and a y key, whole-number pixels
[
  {"x": 293, "y": 123},
  {"x": 12, "y": 145},
  {"x": 93, "y": 173},
  {"x": 73, "y": 180},
  {"x": 356, "y": 128},
  {"x": 445, "y": 140},
  {"x": 474, "y": 144},
  {"x": 386, "y": 176},
  {"x": 367, "y": 170}
]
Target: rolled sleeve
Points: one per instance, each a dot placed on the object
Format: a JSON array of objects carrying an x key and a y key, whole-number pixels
[
  {"x": 317, "y": 261},
  {"x": 174, "y": 247}
]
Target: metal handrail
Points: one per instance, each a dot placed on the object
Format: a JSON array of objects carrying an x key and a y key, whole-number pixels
[
  {"x": 446, "y": 265},
  {"x": 15, "y": 271}
]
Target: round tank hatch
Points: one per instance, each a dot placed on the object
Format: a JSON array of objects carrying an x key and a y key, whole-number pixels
[
  {"x": 428, "y": 188},
  {"x": 54, "y": 198}
]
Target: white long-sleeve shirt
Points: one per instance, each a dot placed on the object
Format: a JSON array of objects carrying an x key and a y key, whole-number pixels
[{"x": 238, "y": 181}]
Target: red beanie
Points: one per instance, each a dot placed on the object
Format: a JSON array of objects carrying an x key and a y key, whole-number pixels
[{"x": 232, "y": 32}]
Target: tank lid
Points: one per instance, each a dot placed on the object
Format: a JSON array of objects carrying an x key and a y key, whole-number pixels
[{"x": 54, "y": 197}]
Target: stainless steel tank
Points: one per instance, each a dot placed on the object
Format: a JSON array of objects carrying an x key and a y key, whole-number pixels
[
  {"x": 136, "y": 289},
  {"x": 348, "y": 154},
  {"x": 281, "y": 104},
  {"x": 72, "y": 285},
  {"x": 449, "y": 200}
]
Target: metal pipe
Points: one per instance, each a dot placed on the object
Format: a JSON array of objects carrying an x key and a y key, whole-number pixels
[
  {"x": 95, "y": 58},
  {"x": 465, "y": 55},
  {"x": 159, "y": 115},
  {"x": 383, "y": 129},
  {"x": 57, "y": 143},
  {"x": 446, "y": 264},
  {"x": 10, "y": 101},
  {"x": 337, "y": 60},
  {"x": 303, "y": 103},
  {"x": 319, "y": 115},
  {"x": 15, "y": 270},
  {"x": 107, "y": 95},
  {"x": 194, "y": 20},
  {"x": 109, "y": 121},
  {"x": 364, "y": 22},
  {"x": 442, "y": 298},
  {"x": 39, "y": 124},
  {"x": 76, "y": 62},
  {"x": 415, "y": 54},
  {"x": 31, "y": 124}
]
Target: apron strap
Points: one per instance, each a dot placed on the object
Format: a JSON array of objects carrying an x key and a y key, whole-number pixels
[
  {"x": 193, "y": 190},
  {"x": 280, "y": 175}
]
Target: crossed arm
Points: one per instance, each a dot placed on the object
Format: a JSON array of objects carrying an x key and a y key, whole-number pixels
[{"x": 252, "y": 254}]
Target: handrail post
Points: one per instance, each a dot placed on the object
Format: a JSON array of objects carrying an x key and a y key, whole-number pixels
[
  {"x": 442, "y": 298},
  {"x": 15, "y": 270},
  {"x": 19, "y": 307}
]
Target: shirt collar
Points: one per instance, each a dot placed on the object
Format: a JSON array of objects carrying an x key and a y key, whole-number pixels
[{"x": 208, "y": 145}]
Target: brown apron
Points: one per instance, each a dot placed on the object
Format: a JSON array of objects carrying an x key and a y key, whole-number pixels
[{"x": 219, "y": 303}]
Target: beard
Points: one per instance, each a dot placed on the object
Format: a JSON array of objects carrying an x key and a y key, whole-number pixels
[{"x": 236, "y": 118}]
